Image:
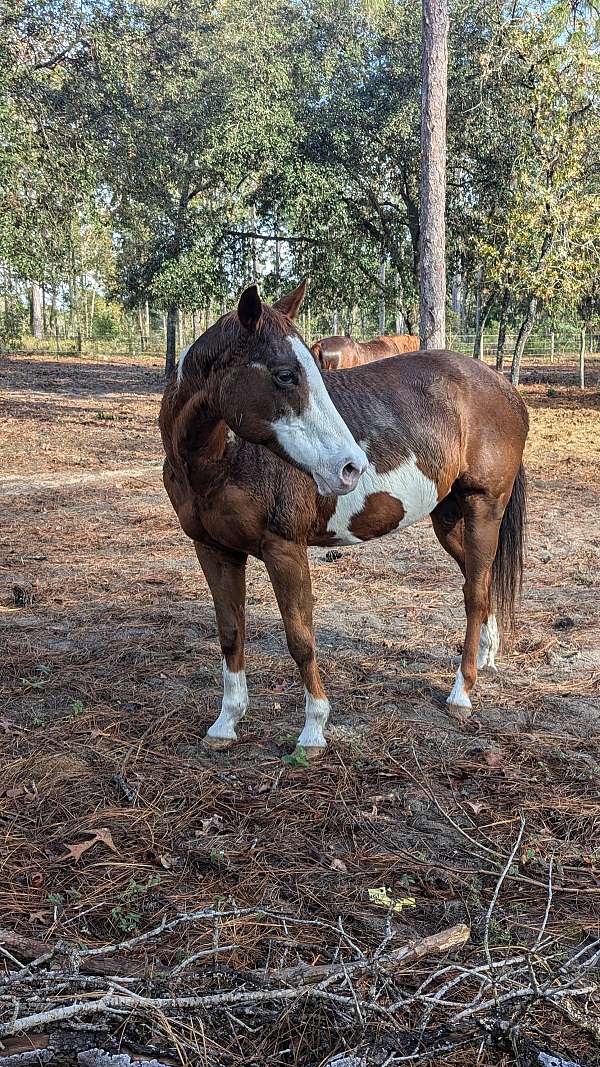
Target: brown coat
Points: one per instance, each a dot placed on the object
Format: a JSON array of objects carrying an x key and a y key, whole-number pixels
[{"x": 336, "y": 353}]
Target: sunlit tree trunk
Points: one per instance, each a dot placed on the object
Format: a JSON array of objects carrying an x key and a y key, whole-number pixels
[
  {"x": 434, "y": 89},
  {"x": 522, "y": 339},
  {"x": 37, "y": 311},
  {"x": 501, "y": 346},
  {"x": 382, "y": 295}
]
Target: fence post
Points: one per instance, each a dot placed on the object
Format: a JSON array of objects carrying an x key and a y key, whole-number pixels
[
  {"x": 582, "y": 360},
  {"x": 552, "y": 340}
]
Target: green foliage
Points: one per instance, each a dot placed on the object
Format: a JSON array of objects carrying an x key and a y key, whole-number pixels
[{"x": 156, "y": 153}]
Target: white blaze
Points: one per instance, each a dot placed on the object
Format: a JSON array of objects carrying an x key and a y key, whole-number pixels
[
  {"x": 318, "y": 439},
  {"x": 416, "y": 492}
]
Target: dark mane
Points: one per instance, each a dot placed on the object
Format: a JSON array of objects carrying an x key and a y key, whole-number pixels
[{"x": 189, "y": 387}]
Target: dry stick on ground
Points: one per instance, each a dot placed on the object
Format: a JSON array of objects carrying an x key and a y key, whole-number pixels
[
  {"x": 85, "y": 958},
  {"x": 306, "y": 979}
]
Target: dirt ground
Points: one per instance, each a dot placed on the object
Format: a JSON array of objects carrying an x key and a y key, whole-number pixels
[{"x": 110, "y": 675}]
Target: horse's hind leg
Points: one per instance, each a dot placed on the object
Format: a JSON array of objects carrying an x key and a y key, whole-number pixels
[
  {"x": 482, "y": 515},
  {"x": 287, "y": 565},
  {"x": 449, "y": 527},
  {"x": 225, "y": 573}
]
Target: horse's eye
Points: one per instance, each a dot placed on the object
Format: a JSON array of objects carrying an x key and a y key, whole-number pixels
[{"x": 285, "y": 377}]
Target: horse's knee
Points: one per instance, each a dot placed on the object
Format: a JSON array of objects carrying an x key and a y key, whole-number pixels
[
  {"x": 301, "y": 645},
  {"x": 230, "y": 637}
]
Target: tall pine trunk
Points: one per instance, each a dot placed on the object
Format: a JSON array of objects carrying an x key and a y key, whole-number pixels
[
  {"x": 522, "y": 339},
  {"x": 434, "y": 91},
  {"x": 171, "y": 340},
  {"x": 37, "y": 311},
  {"x": 382, "y": 308},
  {"x": 483, "y": 314},
  {"x": 501, "y": 345}
]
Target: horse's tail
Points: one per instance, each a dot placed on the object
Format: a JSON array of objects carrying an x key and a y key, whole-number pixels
[{"x": 507, "y": 568}]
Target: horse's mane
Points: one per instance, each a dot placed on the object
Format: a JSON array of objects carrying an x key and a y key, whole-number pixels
[{"x": 190, "y": 386}]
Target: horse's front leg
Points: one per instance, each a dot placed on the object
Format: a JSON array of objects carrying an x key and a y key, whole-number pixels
[
  {"x": 287, "y": 565},
  {"x": 225, "y": 573}
]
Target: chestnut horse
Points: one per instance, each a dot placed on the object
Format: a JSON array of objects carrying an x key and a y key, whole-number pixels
[
  {"x": 262, "y": 460},
  {"x": 335, "y": 353}
]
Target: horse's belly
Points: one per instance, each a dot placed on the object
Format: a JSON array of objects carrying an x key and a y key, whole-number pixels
[{"x": 382, "y": 503}]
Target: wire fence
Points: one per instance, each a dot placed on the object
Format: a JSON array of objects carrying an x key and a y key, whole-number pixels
[{"x": 543, "y": 345}]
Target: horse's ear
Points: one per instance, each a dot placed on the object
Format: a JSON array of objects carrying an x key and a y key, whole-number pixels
[
  {"x": 249, "y": 308},
  {"x": 289, "y": 304}
]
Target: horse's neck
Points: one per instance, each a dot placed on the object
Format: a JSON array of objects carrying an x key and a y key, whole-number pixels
[{"x": 199, "y": 437}]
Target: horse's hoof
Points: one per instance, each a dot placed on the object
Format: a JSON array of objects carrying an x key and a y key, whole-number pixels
[
  {"x": 459, "y": 713},
  {"x": 217, "y": 744},
  {"x": 313, "y": 753}
]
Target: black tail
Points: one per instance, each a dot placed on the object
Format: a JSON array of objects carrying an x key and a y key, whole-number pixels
[{"x": 507, "y": 568}]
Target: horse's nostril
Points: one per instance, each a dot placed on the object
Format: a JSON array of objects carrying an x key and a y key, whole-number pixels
[{"x": 350, "y": 473}]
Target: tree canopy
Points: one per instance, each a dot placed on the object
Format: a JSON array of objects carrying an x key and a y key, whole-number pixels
[{"x": 163, "y": 155}]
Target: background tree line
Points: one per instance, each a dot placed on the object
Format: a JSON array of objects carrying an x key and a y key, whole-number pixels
[{"x": 158, "y": 155}]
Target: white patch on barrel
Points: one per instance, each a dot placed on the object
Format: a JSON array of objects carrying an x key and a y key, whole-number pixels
[
  {"x": 416, "y": 492},
  {"x": 180, "y": 362},
  {"x": 233, "y": 706}
]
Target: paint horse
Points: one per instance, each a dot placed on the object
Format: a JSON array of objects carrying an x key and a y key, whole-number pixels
[
  {"x": 335, "y": 353},
  {"x": 262, "y": 459}
]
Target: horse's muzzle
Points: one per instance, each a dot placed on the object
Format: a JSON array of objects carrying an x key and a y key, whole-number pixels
[{"x": 342, "y": 474}]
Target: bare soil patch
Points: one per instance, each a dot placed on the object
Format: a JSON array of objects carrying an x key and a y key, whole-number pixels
[{"x": 110, "y": 675}]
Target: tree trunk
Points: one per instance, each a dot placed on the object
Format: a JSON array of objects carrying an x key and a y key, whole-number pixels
[
  {"x": 86, "y": 326},
  {"x": 253, "y": 244},
  {"x": 501, "y": 345},
  {"x": 523, "y": 336},
  {"x": 53, "y": 315},
  {"x": 335, "y": 329},
  {"x": 277, "y": 256},
  {"x": 552, "y": 344},
  {"x": 147, "y": 322},
  {"x": 37, "y": 311},
  {"x": 478, "y": 330},
  {"x": 171, "y": 341},
  {"x": 483, "y": 314},
  {"x": 140, "y": 317},
  {"x": 196, "y": 328},
  {"x": 382, "y": 294},
  {"x": 582, "y": 360},
  {"x": 434, "y": 91}
]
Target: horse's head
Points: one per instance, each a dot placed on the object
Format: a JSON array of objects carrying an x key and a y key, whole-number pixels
[{"x": 272, "y": 393}]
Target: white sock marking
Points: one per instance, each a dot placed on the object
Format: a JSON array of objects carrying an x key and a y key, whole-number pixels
[
  {"x": 417, "y": 493},
  {"x": 489, "y": 643},
  {"x": 233, "y": 706},
  {"x": 458, "y": 695},
  {"x": 316, "y": 715}
]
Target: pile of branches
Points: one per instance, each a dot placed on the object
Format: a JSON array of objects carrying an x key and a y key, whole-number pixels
[{"x": 383, "y": 1004}]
